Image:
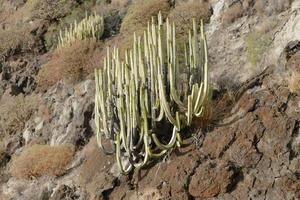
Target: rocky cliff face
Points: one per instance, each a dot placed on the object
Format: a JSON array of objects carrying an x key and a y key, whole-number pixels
[{"x": 250, "y": 150}]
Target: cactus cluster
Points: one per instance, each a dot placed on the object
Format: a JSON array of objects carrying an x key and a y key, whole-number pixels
[
  {"x": 141, "y": 103},
  {"x": 90, "y": 27}
]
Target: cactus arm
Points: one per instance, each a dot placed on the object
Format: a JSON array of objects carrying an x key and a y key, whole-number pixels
[
  {"x": 119, "y": 157},
  {"x": 99, "y": 131},
  {"x": 173, "y": 89},
  {"x": 163, "y": 100},
  {"x": 190, "y": 113},
  {"x": 170, "y": 144},
  {"x": 132, "y": 94}
]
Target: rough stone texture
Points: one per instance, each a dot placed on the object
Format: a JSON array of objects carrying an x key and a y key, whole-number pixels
[
  {"x": 64, "y": 116},
  {"x": 251, "y": 158},
  {"x": 212, "y": 179},
  {"x": 228, "y": 46},
  {"x": 288, "y": 33}
]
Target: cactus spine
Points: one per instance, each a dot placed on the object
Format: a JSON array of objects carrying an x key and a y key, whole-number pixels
[{"x": 137, "y": 95}]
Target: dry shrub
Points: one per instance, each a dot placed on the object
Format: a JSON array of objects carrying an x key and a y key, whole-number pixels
[
  {"x": 184, "y": 12},
  {"x": 280, "y": 5},
  {"x": 2, "y": 152},
  {"x": 26, "y": 11},
  {"x": 182, "y": 16},
  {"x": 41, "y": 9},
  {"x": 232, "y": 13},
  {"x": 70, "y": 64},
  {"x": 260, "y": 6},
  {"x": 39, "y": 160},
  {"x": 120, "y": 3},
  {"x": 257, "y": 43},
  {"x": 294, "y": 85},
  {"x": 247, "y": 4},
  {"x": 15, "y": 40},
  {"x": 140, "y": 13},
  {"x": 14, "y": 112},
  {"x": 120, "y": 41},
  {"x": 267, "y": 25},
  {"x": 294, "y": 62},
  {"x": 269, "y": 7},
  {"x": 294, "y": 65}
]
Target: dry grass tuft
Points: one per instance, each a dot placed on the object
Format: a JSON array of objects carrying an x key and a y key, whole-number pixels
[
  {"x": 294, "y": 85},
  {"x": 140, "y": 12},
  {"x": 15, "y": 40},
  {"x": 256, "y": 42},
  {"x": 294, "y": 65},
  {"x": 49, "y": 10},
  {"x": 120, "y": 3},
  {"x": 70, "y": 64},
  {"x": 267, "y": 25},
  {"x": 14, "y": 112},
  {"x": 39, "y": 160},
  {"x": 232, "y": 13},
  {"x": 2, "y": 153},
  {"x": 260, "y": 6},
  {"x": 184, "y": 12},
  {"x": 269, "y": 7},
  {"x": 182, "y": 16}
]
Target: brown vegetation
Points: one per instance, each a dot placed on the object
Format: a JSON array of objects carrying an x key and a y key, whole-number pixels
[
  {"x": 140, "y": 12},
  {"x": 136, "y": 20},
  {"x": 182, "y": 16},
  {"x": 39, "y": 160},
  {"x": 184, "y": 12},
  {"x": 295, "y": 82},
  {"x": 268, "y": 7},
  {"x": 15, "y": 40},
  {"x": 256, "y": 42},
  {"x": 294, "y": 66},
  {"x": 70, "y": 64},
  {"x": 260, "y": 6},
  {"x": 119, "y": 2},
  {"x": 14, "y": 112},
  {"x": 2, "y": 152},
  {"x": 232, "y": 13},
  {"x": 49, "y": 9}
]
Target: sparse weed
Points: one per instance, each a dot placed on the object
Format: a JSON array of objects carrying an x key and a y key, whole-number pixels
[
  {"x": 232, "y": 13},
  {"x": 256, "y": 43},
  {"x": 39, "y": 160},
  {"x": 14, "y": 112},
  {"x": 140, "y": 13},
  {"x": 70, "y": 64}
]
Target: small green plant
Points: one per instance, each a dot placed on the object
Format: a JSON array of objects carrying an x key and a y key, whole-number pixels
[
  {"x": 256, "y": 43},
  {"x": 91, "y": 27},
  {"x": 141, "y": 103}
]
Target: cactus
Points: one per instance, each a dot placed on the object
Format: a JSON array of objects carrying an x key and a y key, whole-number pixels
[
  {"x": 90, "y": 27},
  {"x": 139, "y": 95}
]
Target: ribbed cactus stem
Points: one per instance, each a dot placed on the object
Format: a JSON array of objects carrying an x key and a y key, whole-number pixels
[
  {"x": 89, "y": 28},
  {"x": 137, "y": 96}
]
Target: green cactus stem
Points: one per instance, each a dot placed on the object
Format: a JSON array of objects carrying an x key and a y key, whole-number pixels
[{"x": 139, "y": 95}]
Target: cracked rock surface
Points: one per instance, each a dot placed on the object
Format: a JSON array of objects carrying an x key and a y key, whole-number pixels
[{"x": 253, "y": 158}]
